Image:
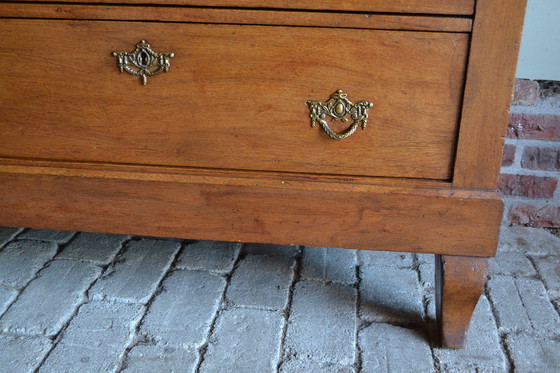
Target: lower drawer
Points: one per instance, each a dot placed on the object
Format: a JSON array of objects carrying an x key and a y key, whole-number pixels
[{"x": 234, "y": 97}]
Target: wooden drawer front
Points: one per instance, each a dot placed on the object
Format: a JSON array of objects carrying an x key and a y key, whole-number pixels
[
  {"x": 462, "y": 7},
  {"x": 235, "y": 96}
]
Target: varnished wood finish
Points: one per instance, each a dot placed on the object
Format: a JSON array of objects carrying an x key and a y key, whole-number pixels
[
  {"x": 459, "y": 284},
  {"x": 490, "y": 78},
  {"x": 283, "y": 212},
  {"x": 229, "y": 99},
  {"x": 392, "y": 6},
  {"x": 247, "y": 17}
]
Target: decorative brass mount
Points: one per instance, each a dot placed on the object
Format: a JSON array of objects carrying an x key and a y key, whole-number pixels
[
  {"x": 339, "y": 107},
  {"x": 148, "y": 62}
]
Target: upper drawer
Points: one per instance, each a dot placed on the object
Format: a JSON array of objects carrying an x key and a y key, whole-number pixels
[
  {"x": 459, "y": 7},
  {"x": 234, "y": 97}
]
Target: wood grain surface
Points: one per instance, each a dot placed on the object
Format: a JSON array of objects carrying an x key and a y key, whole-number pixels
[
  {"x": 431, "y": 220},
  {"x": 488, "y": 92},
  {"x": 234, "y": 98},
  {"x": 459, "y": 284},
  {"x": 393, "y": 6},
  {"x": 238, "y": 16}
]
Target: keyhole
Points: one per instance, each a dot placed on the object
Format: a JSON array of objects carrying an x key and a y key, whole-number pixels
[{"x": 143, "y": 59}]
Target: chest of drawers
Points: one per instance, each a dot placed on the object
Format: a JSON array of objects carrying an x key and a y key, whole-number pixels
[{"x": 360, "y": 124}]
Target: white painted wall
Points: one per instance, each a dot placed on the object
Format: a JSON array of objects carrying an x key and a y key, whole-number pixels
[{"x": 540, "y": 46}]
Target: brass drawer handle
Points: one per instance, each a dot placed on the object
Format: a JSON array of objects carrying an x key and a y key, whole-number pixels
[
  {"x": 339, "y": 107},
  {"x": 148, "y": 62}
]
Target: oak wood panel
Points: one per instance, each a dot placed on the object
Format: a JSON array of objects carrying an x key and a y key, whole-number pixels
[
  {"x": 488, "y": 92},
  {"x": 396, "y": 6},
  {"x": 197, "y": 208},
  {"x": 459, "y": 284},
  {"x": 255, "y": 17},
  {"x": 230, "y": 99}
]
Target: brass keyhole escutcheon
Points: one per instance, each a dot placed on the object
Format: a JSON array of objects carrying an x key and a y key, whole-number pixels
[{"x": 143, "y": 61}]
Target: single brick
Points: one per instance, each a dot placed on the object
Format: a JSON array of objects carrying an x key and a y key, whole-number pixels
[
  {"x": 527, "y": 186},
  {"x": 511, "y": 264},
  {"x": 329, "y": 264},
  {"x": 47, "y": 235},
  {"x": 534, "y": 353},
  {"x": 531, "y": 241},
  {"x": 526, "y": 92},
  {"x": 160, "y": 359},
  {"x": 209, "y": 256},
  {"x": 262, "y": 281},
  {"x": 35, "y": 313},
  {"x": 7, "y": 234},
  {"x": 96, "y": 339},
  {"x": 385, "y": 258},
  {"x": 390, "y": 295},
  {"x": 182, "y": 313},
  {"x": 510, "y": 311},
  {"x": 509, "y": 155},
  {"x": 22, "y": 354},
  {"x": 545, "y": 158},
  {"x": 387, "y": 348},
  {"x": 482, "y": 353},
  {"x": 21, "y": 260},
  {"x": 309, "y": 366},
  {"x": 94, "y": 247},
  {"x": 7, "y": 296},
  {"x": 244, "y": 340},
  {"x": 549, "y": 269},
  {"x": 530, "y": 215},
  {"x": 271, "y": 250},
  {"x": 136, "y": 274},
  {"x": 534, "y": 126},
  {"x": 322, "y": 323}
]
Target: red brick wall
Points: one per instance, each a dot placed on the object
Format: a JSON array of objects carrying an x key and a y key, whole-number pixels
[{"x": 530, "y": 179}]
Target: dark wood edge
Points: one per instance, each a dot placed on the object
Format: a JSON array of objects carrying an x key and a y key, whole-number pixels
[{"x": 237, "y": 16}]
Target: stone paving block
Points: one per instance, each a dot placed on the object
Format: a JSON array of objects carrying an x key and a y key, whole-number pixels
[
  {"x": 96, "y": 339},
  {"x": 322, "y": 323},
  {"x": 426, "y": 258},
  {"x": 482, "y": 353},
  {"x": 7, "y": 234},
  {"x": 50, "y": 300},
  {"x": 21, "y": 260},
  {"x": 271, "y": 250},
  {"x": 136, "y": 273},
  {"x": 97, "y": 248},
  {"x": 160, "y": 359},
  {"x": 390, "y": 294},
  {"x": 549, "y": 269},
  {"x": 427, "y": 273},
  {"x": 7, "y": 296},
  {"x": 510, "y": 312},
  {"x": 22, "y": 354},
  {"x": 511, "y": 263},
  {"x": 310, "y": 366},
  {"x": 261, "y": 281},
  {"x": 534, "y": 354},
  {"x": 47, "y": 235},
  {"x": 244, "y": 340},
  {"x": 387, "y": 348},
  {"x": 543, "y": 316},
  {"x": 531, "y": 241},
  {"x": 182, "y": 313},
  {"x": 329, "y": 264},
  {"x": 213, "y": 256},
  {"x": 386, "y": 258}
]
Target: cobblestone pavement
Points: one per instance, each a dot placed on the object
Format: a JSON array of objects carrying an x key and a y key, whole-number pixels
[{"x": 82, "y": 302}]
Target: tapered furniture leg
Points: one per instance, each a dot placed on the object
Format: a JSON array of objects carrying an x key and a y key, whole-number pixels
[{"x": 459, "y": 283}]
